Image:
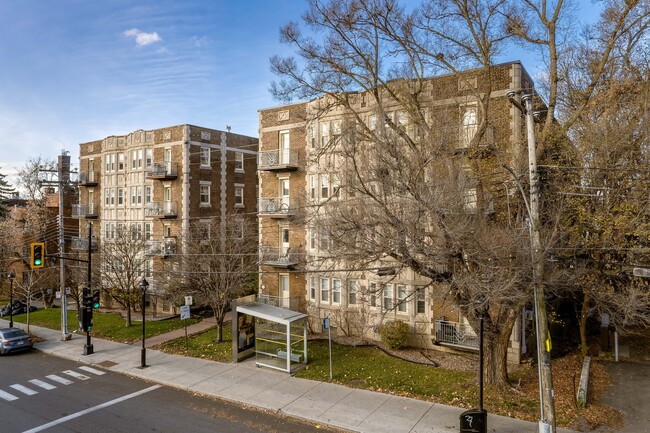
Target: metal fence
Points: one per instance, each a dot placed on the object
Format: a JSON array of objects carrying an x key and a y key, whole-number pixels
[{"x": 457, "y": 334}]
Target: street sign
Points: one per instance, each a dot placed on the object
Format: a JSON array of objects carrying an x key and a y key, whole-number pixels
[
  {"x": 326, "y": 323},
  {"x": 185, "y": 312},
  {"x": 188, "y": 300},
  {"x": 641, "y": 272}
]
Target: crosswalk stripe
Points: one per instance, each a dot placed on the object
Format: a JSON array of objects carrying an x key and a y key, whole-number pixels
[
  {"x": 23, "y": 389},
  {"x": 76, "y": 375},
  {"x": 91, "y": 370},
  {"x": 7, "y": 396},
  {"x": 42, "y": 384},
  {"x": 59, "y": 379}
]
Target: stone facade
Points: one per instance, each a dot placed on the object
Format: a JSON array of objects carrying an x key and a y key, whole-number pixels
[
  {"x": 291, "y": 182},
  {"x": 162, "y": 180}
]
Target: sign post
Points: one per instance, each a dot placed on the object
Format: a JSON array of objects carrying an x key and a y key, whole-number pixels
[
  {"x": 326, "y": 325},
  {"x": 185, "y": 314}
]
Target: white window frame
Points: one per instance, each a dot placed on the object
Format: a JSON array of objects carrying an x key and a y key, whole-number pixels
[
  {"x": 336, "y": 291},
  {"x": 324, "y": 186},
  {"x": 387, "y": 301},
  {"x": 420, "y": 300},
  {"x": 325, "y": 290},
  {"x": 402, "y": 295},
  {"x": 147, "y": 194},
  {"x": 205, "y": 157},
  {"x": 239, "y": 195},
  {"x": 239, "y": 162},
  {"x": 468, "y": 125},
  {"x": 204, "y": 192},
  {"x": 353, "y": 291},
  {"x": 312, "y": 288}
]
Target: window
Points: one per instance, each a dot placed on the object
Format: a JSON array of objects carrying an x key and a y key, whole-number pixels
[
  {"x": 167, "y": 230},
  {"x": 147, "y": 268},
  {"x": 147, "y": 194},
  {"x": 133, "y": 195},
  {"x": 373, "y": 294},
  {"x": 239, "y": 195},
  {"x": 140, "y": 153},
  {"x": 324, "y": 134},
  {"x": 120, "y": 161},
  {"x": 167, "y": 193},
  {"x": 469, "y": 125},
  {"x": 387, "y": 294},
  {"x": 313, "y": 235},
  {"x": 204, "y": 191},
  {"x": 324, "y": 186},
  {"x": 204, "y": 230},
  {"x": 420, "y": 300},
  {"x": 239, "y": 161},
  {"x": 312, "y": 136},
  {"x": 336, "y": 127},
  {"x": 148, "y": 157},
  {"x": 139, "y": 194},
  {"x": 112, "y": 196},
  {"x": 312, "y": 288},
  {"x": 401, "y": 298},
  {"x": 324, "y": 290},
  {"x": 353, "y": 288},
  {"x": 313, "y": 185},
  {"x": 372, "y": 122},
  {"x": 147, "y": 231},
  {"x": 324, "y": 241},
  {"x": 107, "y": 196},
  {"x": 470, "y": 199},
  {"x": 120, "y": 196},
  {"x": 336, "y": 291},
  {"x": 134, "y": 159},
  {"x": 205, "y": 157}
]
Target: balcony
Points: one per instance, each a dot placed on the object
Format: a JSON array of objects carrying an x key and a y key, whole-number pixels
[
  {"x": 78, "y": 243},
  {"x": 277, "y": 160},
  {"x": 166, "y": 248},
  {"x": 89, "y": 178},
  {"x": 278, "y": 257},
  {"x": 160, "y": 209},
  {"x": 276, "y": 207},
  {"x": 87, "y": 211},
  {"x": 293, "y": 303},
  {"x": 456, "y": 334},
  {"x": 162, "y": 171}
]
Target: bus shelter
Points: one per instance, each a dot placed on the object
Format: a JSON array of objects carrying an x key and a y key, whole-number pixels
[{"x": 276, "y": 336}]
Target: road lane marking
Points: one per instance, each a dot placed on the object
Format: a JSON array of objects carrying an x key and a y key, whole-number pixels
[
  {"x": 76, "y": 375},
  {"x": 7, "y": 396},
  {"x": 59, "y": 379},
  {"x": 42, "y": 384},
  {"x": 91, "y": 370},
  {"x": 23, "y": 389},
  {"x": 91, "y": 409}
]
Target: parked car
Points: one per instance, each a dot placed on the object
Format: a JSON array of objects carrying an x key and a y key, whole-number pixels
[
  {"x": 14, "y": 339},
  {"x": 18, "y": 306}
]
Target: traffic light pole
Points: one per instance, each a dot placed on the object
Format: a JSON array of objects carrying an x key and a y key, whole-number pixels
[{"x": 88, "y": 347}]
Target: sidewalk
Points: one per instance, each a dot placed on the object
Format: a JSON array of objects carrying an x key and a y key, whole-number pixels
[{"x": 319, "y": 402}]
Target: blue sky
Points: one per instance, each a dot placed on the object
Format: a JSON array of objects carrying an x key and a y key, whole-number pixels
[{"x": 73, "y": 71}]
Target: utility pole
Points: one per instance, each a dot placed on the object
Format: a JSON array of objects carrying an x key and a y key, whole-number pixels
[
  {"x": 63, "y": 172},
  {"x": 547, "y": 422}
]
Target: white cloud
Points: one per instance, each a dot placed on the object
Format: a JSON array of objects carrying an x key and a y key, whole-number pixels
[
  {"x": 199, "y": 41},
  {"x": 142, "y": 38}
]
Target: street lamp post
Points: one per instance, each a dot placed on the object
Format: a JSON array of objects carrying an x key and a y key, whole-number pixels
[
  {"x": 11, "y": 299},
  {"x": 143, "y": 353}
]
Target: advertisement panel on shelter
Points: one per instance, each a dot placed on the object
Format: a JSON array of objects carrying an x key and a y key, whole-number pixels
[{"x": 246, "y": 332}]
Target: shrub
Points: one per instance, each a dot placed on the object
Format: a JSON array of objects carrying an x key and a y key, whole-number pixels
[{"x": 394, "y": 333}]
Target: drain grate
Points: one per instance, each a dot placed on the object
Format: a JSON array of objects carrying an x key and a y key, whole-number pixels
[{"x": 106, "y": 364}]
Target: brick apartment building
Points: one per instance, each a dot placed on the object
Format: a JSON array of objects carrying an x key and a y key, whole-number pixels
[
  {"x": 294, "y": 180},
  {"x": 161, "y": 182}
]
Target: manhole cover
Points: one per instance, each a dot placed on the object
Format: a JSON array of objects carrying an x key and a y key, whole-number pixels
[{"x": 107, "y": 364}]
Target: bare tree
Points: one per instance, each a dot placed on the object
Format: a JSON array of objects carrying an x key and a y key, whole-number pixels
[
  {"x": 220, "y": 263},
  {"x": 123, "y": 264}
]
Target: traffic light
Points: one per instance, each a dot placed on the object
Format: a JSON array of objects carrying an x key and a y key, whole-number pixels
[
  {"x": 96, "y": 303},
  {"x": 86, "y": 313},
  {"x": 37, "y": 255}
]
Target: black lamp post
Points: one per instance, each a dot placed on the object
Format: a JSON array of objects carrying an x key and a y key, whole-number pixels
[
  {"x": 11, "y": 299},
  {"x": 143, "y": 353}
]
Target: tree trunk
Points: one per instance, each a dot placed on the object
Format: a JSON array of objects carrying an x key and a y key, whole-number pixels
[
  {"x": 219, "y": 332},
  {"x": 495, "y": 350},
  {"x": 583, "y": 325}
]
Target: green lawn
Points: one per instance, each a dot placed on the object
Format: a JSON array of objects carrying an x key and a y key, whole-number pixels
[
  {"x": 203, "y": 345},
  {"x": 105, "y": 325}
]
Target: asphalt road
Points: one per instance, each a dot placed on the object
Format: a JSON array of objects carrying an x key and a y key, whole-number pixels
[{"x": 44, "y": 393}]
